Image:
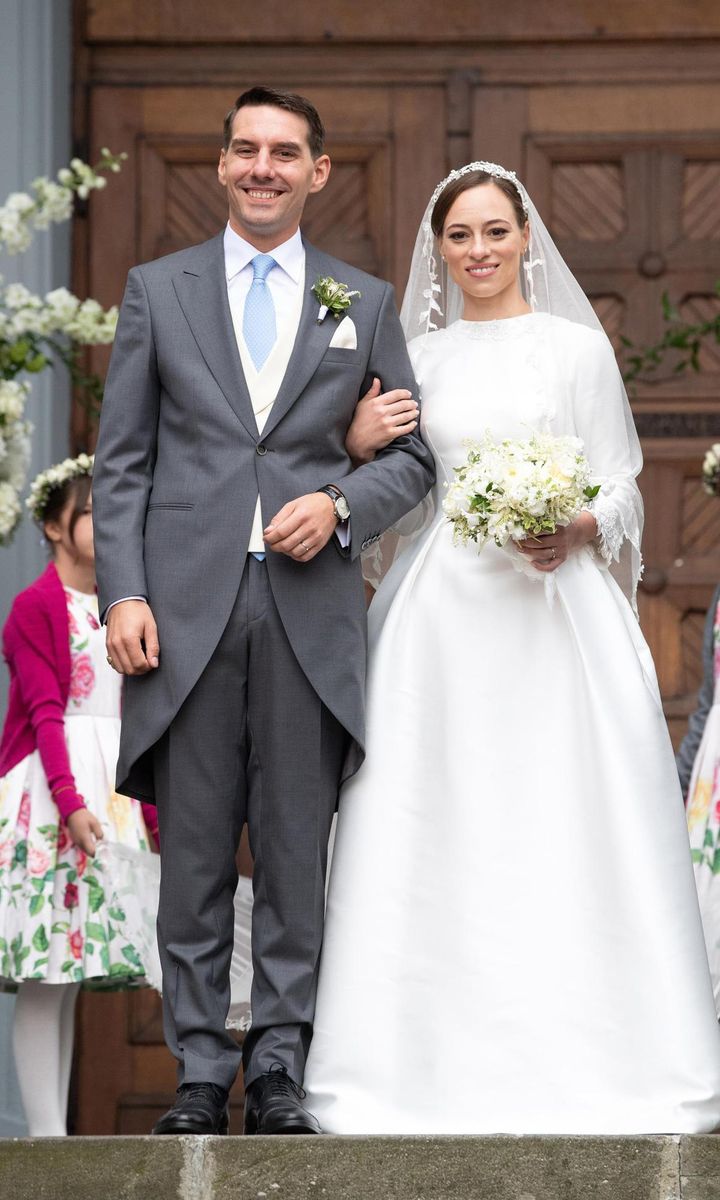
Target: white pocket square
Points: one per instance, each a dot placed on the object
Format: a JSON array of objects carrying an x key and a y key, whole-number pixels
[{"x": 345, "y": 336}]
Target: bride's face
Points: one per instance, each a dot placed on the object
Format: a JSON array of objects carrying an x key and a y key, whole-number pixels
[{"x": 483, "y": 244}]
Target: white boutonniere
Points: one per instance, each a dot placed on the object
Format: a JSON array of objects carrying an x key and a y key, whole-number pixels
[{"x": 333, "y": 297}]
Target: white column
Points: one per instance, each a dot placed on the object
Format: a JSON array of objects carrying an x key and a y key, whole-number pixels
[{"x": 35, "y": 138}]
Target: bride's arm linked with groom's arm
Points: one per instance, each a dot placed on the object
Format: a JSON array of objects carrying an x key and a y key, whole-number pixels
[{"x": 391, "y": 467}]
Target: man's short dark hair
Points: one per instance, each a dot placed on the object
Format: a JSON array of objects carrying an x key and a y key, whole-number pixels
[{"x": 260, "y": 96}]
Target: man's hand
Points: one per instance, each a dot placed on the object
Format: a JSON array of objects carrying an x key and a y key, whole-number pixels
[
  {"x": 85, "y": 830},
  {"x": 132, "y": 638},
  {"x": 303, "y": 527},
  {"x": 380, "y": 417}
]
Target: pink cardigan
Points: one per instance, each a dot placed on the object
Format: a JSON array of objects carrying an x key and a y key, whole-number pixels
[{"x": 36, "y": 647}]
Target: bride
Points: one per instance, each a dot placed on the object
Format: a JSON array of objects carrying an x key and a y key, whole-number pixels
[{"x": 513, "y": 942}]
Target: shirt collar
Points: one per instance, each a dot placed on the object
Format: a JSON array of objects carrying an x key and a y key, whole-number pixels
[{"x": 289, "y": 255}]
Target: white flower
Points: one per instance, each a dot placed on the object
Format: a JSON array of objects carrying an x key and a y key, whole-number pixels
[
  {"x": 12, "y": 400},
  {"x": 27, "y": 320},
  {"x": 54, "y": 203},
  {"x": 10, "y": 511},
  {"x": 711, "y": 470},
  {"x": 62, "y": 307},
  {"x": 14, "y": 467},
  {"x": 20, "y": 202},
  {"x": 92, "y": 326},
  {"x": 15, "y": 235},
  {"x": 18, "y": 296}
]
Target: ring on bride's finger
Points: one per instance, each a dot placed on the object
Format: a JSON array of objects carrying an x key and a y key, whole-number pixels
[
  {"x": 305, "y": 547},
  {"x": 554, "y": 554}
]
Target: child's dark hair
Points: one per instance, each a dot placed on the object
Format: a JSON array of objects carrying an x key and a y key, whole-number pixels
[{"x": 78, "y": 490}]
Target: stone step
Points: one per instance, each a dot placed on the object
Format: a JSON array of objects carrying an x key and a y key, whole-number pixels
[{"x": 359, "y": 1168}]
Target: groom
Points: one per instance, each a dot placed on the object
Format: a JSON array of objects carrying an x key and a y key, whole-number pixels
[{"x": 228, "y": 526}]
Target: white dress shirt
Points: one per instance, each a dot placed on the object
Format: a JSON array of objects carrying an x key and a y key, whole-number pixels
[{"x": 284, "y": 282}]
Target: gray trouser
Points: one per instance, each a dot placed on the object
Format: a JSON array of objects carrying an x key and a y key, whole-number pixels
[{"x": 252, "y": 743}]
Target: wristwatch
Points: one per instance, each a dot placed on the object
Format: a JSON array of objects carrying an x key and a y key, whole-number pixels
[{"x": 340, "y": 504}]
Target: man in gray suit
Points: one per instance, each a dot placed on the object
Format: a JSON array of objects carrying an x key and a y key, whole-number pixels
[{"x": 243, "y": 635}]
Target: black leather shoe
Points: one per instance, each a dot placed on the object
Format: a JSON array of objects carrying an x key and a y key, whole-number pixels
[
  {"x": 199, "y": 1108},
  {"x": 273, "y": 1104}
]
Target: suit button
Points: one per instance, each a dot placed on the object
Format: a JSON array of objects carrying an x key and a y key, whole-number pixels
[{"x": 261, "y": 448}]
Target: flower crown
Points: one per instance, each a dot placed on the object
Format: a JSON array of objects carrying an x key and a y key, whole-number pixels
[{"x": 46, "y": 482}]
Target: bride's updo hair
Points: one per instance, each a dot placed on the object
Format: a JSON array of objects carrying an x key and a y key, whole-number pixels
[{"x": 456, "y": 187}]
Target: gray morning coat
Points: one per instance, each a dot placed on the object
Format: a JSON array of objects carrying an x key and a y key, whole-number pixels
[{"x": 179, "y": 464}]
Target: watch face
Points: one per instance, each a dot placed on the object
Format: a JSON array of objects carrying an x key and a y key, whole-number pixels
[{"x": 342, "y": 508}]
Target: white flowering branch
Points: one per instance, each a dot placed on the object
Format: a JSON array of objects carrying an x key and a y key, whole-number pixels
[
  {"x": 36, "y": 332},
  {"x": 22, "y": 214}
]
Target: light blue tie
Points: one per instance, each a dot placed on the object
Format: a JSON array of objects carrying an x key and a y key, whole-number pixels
[{"x": 259, "y": 329}]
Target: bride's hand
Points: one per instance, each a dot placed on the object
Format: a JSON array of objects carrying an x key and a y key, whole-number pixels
[
  {"x": 548, "y": 551},
  {"x": 380, "y": 417}
]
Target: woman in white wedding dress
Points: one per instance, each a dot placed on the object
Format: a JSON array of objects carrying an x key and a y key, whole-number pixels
[{"x": 513, "y": 942}]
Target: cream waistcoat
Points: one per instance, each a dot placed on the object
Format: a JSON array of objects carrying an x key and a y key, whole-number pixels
[{"x": 264, "y": 385}]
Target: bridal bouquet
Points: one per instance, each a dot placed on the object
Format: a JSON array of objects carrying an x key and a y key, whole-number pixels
[{"x": 512, "y": 490}]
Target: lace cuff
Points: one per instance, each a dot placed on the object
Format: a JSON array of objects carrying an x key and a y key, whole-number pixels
[
  {"x": 372, "y": 564},
  {"x": 611, "y": 533}
]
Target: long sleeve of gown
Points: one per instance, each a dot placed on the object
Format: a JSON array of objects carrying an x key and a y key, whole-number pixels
[{"x": 604, "y": 422}]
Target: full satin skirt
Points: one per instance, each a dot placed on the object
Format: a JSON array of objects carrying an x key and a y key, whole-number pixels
[{"x": 513, "y": 942}]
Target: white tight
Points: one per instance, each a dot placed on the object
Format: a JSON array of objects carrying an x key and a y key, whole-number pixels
[{"x": 43, "y": 1034}]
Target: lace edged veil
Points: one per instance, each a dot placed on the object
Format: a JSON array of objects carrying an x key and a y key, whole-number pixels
[{"x": 434, "y": 301}]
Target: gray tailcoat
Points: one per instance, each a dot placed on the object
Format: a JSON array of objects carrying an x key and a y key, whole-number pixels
[{"x": 179, "y": 464}]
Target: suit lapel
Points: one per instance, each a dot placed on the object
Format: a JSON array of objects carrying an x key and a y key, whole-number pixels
[
  {"x": 311, "y": 342},
  {"x": 202, "y": 293}
]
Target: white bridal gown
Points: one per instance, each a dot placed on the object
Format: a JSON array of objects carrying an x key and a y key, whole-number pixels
[{"x": 513, "y": 943}]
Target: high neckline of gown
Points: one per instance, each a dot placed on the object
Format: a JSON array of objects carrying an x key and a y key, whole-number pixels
[{"x": 497, "y": 330}]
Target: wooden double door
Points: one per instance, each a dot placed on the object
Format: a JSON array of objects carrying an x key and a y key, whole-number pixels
[{"x": 615, "y": 145}]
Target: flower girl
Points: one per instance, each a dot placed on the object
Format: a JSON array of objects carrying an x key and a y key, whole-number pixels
[{"x": 62, "y": 922}]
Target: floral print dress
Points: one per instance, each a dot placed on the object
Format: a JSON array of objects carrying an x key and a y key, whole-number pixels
[
  {"x": 63, "y": 918},
  {"x": 703, "y": 816}
]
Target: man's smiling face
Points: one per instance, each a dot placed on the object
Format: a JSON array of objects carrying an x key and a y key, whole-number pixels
[{"x": 268, "y": 173}]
